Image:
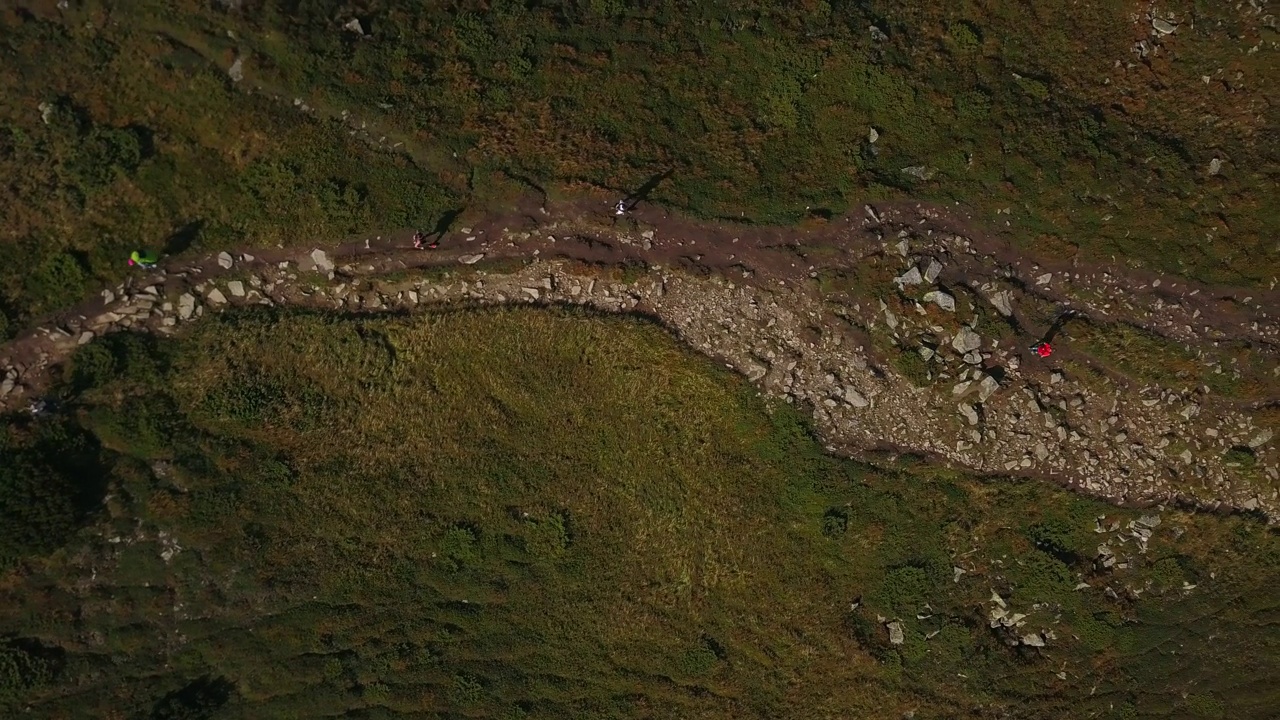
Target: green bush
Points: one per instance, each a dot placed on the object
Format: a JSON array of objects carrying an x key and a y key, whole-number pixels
[
  {"x": 57, "y": 281},
  {"x": 20, "y": 672},
  {"x": 459, "y": 548},
  {"x": 696, "y": 661},
  {"x": 38, "y": 509},
  {"x": 902, "y": 592}
]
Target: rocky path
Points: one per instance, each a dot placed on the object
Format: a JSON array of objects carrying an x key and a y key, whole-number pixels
[{"x": 873, "y": 322}]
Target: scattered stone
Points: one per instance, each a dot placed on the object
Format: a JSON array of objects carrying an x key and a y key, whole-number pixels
[
  {"x": 956, "y": 572},
  {"x": 872, "y": 136},
  {"x": 926, "y": 352},
  {"x": 1044, "y": 279},
  {"x": 854, "y": 398},
  {"x": 1261, "y": 439},
  {"x": 966, "y": 340},
  {"x": 910, "y": 277},
  {"x": 216, "y": 297},
  {"x": 968, "y": 412},
  {"x": 1162, "y": 26},
  {"x": 1215, "y": 166},
  {"x": 1003, "y": 302},
  {"x": 186, "y": 305},
  {"x": 1034, "y": 640},
  {"x": 754, "y": 370},
  {"x": 1055, "y": 377},
  {"x": 471, "y": 259},
  {"x": 236, "y": 287},
  {"x": 919, "y": 172},
  {"x": 224, "y": 260},
  {"x": 933, "y": 271},
  {"x": 895, "y": 632},
  {"x": 84, "y": 338},
  {"x": 236, "y": 71},
  {"x": 902, "y": 247},
  {"x": 532, "y": 292},
  {"x": 1042, "y": 452},
  {"x": 321, "y": 260},
  {"x": 987, "y": 388},
  {"x": 941, "y": 299},
  {"x": 354, "y": 26}
]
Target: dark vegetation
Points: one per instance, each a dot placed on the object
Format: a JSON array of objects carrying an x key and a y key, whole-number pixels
[
  {"x": 122, "y": 127},
  {"x": 526, "y": 514}
]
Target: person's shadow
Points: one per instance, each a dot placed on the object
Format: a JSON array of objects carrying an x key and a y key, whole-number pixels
[
  {"x": 183, "y": 238},
  {"x": 642, "y": 193},
  {"x": 1058, "y": 322},
  {"x": 445, "y": 221}
]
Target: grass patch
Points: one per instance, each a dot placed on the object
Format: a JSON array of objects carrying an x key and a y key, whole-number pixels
[{"x": 524, "y": 513}]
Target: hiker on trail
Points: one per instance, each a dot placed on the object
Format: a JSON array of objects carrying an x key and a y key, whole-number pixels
[
  {"x": 1043, "y": 349},
  {"x": 144, "y": 259},
  {"x": 417, "y": 241}
]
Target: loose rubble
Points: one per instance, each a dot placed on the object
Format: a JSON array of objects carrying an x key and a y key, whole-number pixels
[{"x": 981, "y": 409}]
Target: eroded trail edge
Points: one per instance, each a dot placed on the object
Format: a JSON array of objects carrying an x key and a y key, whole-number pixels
[{"x": 898, "y": 328}]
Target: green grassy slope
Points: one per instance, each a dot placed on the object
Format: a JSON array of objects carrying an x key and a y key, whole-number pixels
[
  {"x": 1047, "y": 119},
  {"x": 528, "y": 514}
]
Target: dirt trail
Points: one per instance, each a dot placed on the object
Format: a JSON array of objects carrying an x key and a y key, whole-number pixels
[{"x": 754, "y": 298}]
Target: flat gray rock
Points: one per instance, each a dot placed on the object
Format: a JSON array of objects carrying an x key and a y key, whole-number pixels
[
  {"x": 216, "y": 297},
  {"x": 966, "y": 340},
  {"x": 941, "y": 299},
  {"x": 224, "y": 260},
  {"x": 1003, "y": 302},
  {"x": 855, "y": 398},
  {"x": 987, "y": 388},
  {"x": 321, "y": 260},
  {"x": 895, "y": 632},
  {"x": 932, "y": 272},
  {"x": 910, "y": 277},
  {"x": 471, "y": 259},
  {"x": 236, "y": 288},
  {"x": 186, "y": 305}
]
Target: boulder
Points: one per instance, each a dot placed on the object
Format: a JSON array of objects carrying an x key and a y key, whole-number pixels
[
  {"x": 224, "y": 260},
  {"x": 1003, "y": 302},
  {"x": 895, "y": 632},
  {"x": 186, "y": 305},
  {"x": 966, "y": 340},
  {"x": 321, "y": 261},
  {"x": 932, "y": 272},
  {"x": 471, "y": 259},
  {"x": 970, "y": 415},
  {"x": 216, "y": 297},
  {"x": 854, "y": 398},
  {"x": 910, "y": 277},
  {"x": 941, "y": 299},
  {"x": 236, "y": 288},
  {"x": 987, "y": 388}
]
